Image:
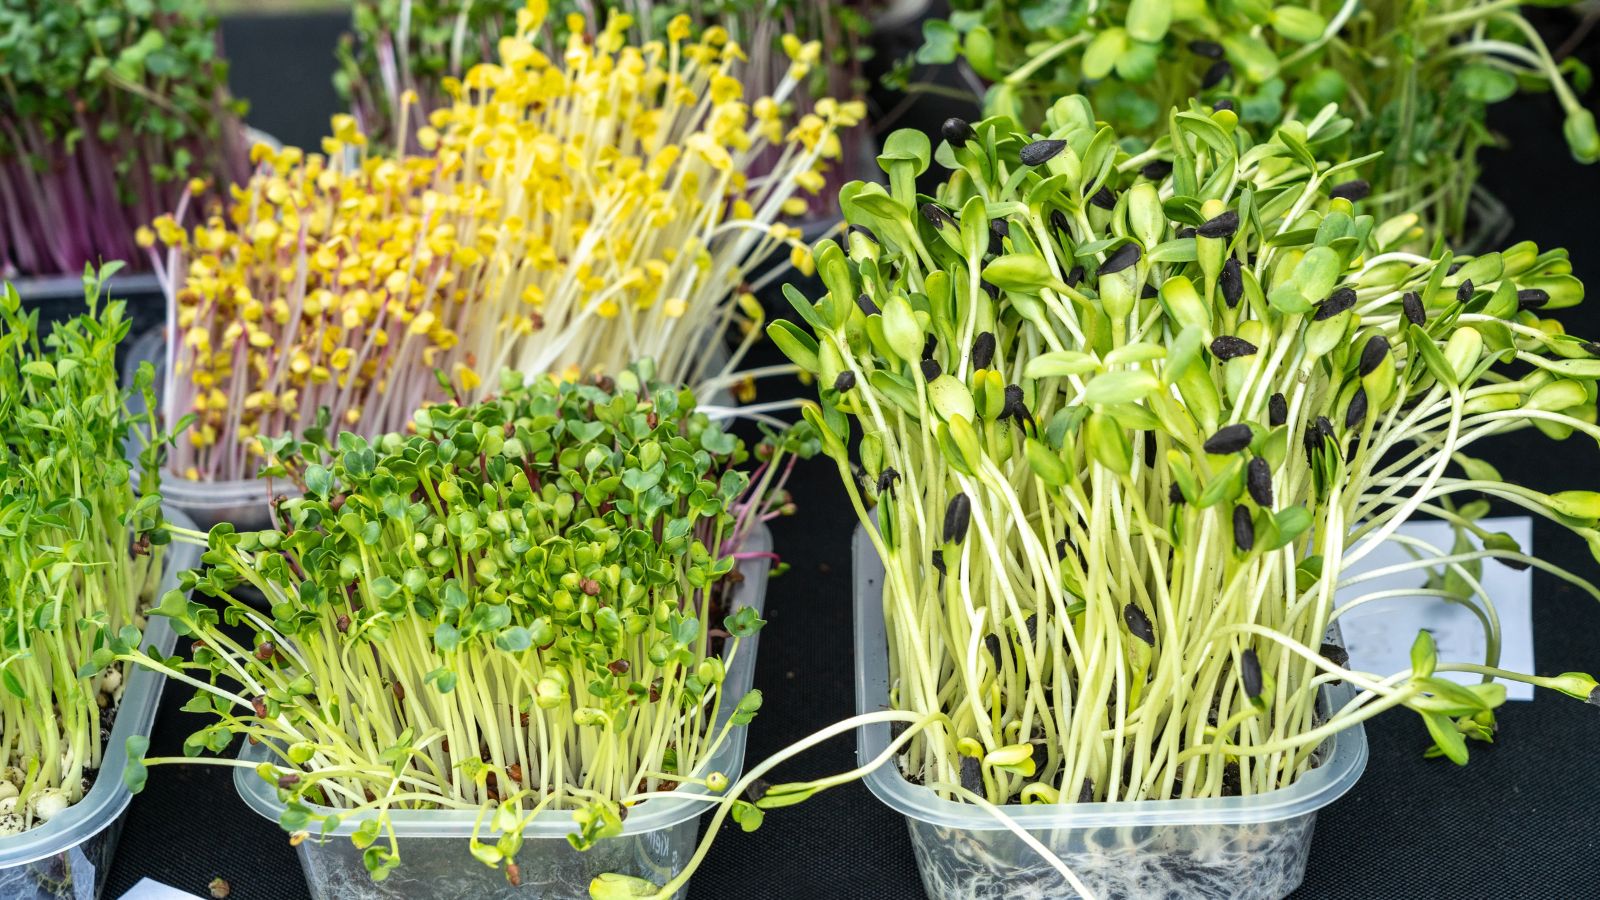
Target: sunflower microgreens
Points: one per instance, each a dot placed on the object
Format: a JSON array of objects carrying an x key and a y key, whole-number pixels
[
  {"x": 1415, "y": 78},
  {"x": 110, "y": 108},
  {"x": 1126, "y": 434},
  {"x": 537, "y": 588},
  {"x": 81, "y": 548},
  {"x": 568, "y": 215}
]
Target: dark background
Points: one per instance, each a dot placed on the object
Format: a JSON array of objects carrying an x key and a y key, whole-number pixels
[{"x": 1519, "y": 821}]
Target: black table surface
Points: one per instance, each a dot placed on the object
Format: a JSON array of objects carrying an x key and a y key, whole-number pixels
[{"x": 1518, "y": 821}]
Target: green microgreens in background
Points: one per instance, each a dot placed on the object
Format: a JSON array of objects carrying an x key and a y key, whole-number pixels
[
  {"x": 110, "y": 108},
  {"x": 1414, "y": 78}
]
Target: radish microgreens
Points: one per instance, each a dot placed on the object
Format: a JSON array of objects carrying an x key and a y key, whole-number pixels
[{"x": 518, "y": 607}]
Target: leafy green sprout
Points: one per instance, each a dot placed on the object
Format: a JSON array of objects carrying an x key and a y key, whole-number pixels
[
  {"x": 82, "y": 546},
  {"x": 111, "y": 106},
  {"x": 519, "y": 598},
  {"x": 1141, "y": 427},
  {"x": 1415, "y": 78}
]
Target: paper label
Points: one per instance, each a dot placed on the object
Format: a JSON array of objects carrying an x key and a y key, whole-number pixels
[{"x": 1378, "y": 634}]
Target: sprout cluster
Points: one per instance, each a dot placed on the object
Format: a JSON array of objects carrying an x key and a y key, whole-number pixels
[
  {"x": 1415, "y": 78},
  {"x": 401, "y": 55},
  {"x": 110, "y": 108},
  {"x": 522, "y": 606},
  {"x": 398, "y": 54},
  {"x": 80, "y": 549},
  {"x": 568, "y": 214},
  {"x": 1126, "y": 421}
]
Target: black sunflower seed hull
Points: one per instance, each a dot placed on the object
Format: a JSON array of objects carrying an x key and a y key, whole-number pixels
[
  {"x": 957, "y": 515},
  {"x": 1224, "y": 225},
  {"x": 866, "y": 305},
  {"x": 1244, "y": 529},
  {"x": 1250, "y": 673},
  {"x": 1231, "y": 281},
  {"x": 1258, "y": 480},
  {"x": 1040, "y": 152},
  {"x": 844, "y": 382},
  {"x": 1218, "y": 72},
  {"x": 1356, "y": 412},
  {"x": 1353, "y": 191},
  {"x": 1122, "y": 258},
  {"x": 1229, "y": 439},
  {"x": 1373, "y": 354},
  {"x": 1339, "y": 301},
  {"x": 937, "y": 215},
  {"x": 1139, "y": 624},
  {"x": 983, "y": 350},
  {"x": 1226, "y": 347},
  {"x": 1014, "y": 407},
  {"x": 956, "y": 131},
  {"x": 1277, "y": 410},
  {"x": 1411, "y": 305},
  {"x": 1103, "y": 198},
  {"x": 1465, "y": 291},
  {"x": 1157, "y": 170},
  {"x": 930, "y": 370},
  {"x": 886, "y": 480},
  {"x": 1532, "y": 298},
  {"x": 999, "y": 230}
]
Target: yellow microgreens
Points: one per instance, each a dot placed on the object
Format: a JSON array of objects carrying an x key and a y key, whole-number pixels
[{"x": 572, "y": 212}]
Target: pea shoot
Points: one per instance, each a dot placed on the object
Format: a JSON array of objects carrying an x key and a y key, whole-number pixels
[
  {"x": 519, "y": 606},
  {"x": 80, "y": 548}
]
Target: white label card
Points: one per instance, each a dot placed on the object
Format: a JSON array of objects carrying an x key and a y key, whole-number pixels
[
  {"x": 1378, "y": 634},
  {"x": 155, "y": 890}
]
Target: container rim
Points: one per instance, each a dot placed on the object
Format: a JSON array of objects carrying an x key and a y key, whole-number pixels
[
  {"x": 108, "y": 797},
  {"x": 651, "y": 815},
  {"x": 70, "y": 287},
  {"x": 221, "y": 496},
  {"x": 1343, "y": 764}
]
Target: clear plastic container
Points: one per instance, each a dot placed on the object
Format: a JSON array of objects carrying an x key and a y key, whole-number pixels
[
  {"x": 60, "y": 297},
  {"x": 657, "y": 840},
  {"x": 69, "y": 857},
  {"x": 1230, "y": 848}
]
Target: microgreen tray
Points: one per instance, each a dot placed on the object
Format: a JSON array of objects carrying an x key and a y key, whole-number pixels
[
  {"x": 69, "y": 857},
  {"x": 1239, "y": 848},
  {"x": 657, "y": 839}
]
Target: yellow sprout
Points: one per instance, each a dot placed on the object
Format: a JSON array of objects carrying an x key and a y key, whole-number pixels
[{"x": 560, "y": 215}]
